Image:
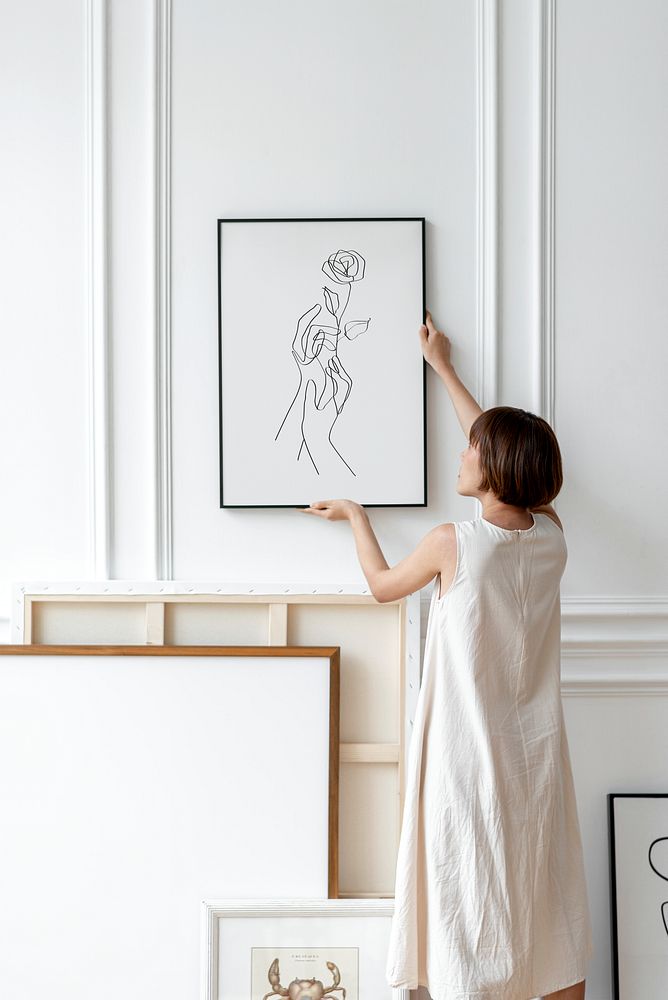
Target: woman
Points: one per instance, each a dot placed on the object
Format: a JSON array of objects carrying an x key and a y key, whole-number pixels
[{"x": 490, "y": 895}]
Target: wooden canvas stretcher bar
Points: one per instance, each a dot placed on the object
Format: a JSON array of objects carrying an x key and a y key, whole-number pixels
[{"x": 380, "y": 658}]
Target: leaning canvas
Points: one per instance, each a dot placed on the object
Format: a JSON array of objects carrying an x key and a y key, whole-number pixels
[{"x": 322, "y": 378}]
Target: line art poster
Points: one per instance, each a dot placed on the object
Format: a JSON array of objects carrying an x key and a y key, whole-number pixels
[{"x": 322, "y": 378}]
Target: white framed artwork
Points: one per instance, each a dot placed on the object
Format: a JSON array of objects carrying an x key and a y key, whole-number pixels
[
  {"x": 264, "y": 949},
  {"x": 322, "y": 381}
]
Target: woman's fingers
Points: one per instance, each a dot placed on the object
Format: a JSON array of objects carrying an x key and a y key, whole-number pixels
[
  {"x": 436, "y": 347},
  {"x": 426, "y": 329},
  {"x": 331, "y": 510}
]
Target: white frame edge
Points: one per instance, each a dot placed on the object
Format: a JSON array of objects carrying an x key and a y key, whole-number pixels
[{"x": 158, "y": 588}]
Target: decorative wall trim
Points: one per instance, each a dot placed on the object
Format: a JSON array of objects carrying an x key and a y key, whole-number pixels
[
  {"x": 487, "y": 216},
  {"x": 97, "y": 281},
  {"x": 609, "y": 626},
  {"x": 610, "y": 646},
  {"x": 545, "y": 208},
  {"x": 612, "y": 626},
  {"x": 163, "y": 315},
  {"x": 615, "y": 680}
]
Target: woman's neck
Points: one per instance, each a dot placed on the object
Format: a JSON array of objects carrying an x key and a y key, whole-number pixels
[{"x": 505, "y": 514}]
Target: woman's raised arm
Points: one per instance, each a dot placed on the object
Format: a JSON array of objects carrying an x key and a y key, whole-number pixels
[{"x": 436, "y": 350}]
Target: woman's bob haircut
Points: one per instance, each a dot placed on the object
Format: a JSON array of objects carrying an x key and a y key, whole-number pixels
[{"x": 519, "y": 454}]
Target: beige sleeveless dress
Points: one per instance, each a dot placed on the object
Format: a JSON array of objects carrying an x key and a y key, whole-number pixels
[{"x": 490, "y": 898}]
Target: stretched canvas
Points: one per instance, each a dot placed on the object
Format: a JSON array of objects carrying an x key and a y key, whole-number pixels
[
  {"x": 322, "y": 378},
  {"x": 133, "y": 781}
]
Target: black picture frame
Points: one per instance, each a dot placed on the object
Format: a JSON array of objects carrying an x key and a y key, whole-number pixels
[
  {"x": 333, "y": 219},
  {"x": 644, "y": 905}
]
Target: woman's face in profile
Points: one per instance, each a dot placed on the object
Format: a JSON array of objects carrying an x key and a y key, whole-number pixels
[{"x": 468, "y": 478}]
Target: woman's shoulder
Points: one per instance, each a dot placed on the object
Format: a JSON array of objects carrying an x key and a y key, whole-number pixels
[
  {"x": 546, "y": 516},
  {"x": 450, "y": 529},
  {"x": 550, "y": 512}
]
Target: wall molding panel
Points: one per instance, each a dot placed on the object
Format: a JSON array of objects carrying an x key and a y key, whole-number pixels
[
  {"x": 163, "y": 330},
  {"x": 97, "y": 282},
  {"x": 487, "y": 203},
  {"x": 601, "y": 626},
  {"x": 545, "y": 211},
  {"x": 610, "y": 646}
]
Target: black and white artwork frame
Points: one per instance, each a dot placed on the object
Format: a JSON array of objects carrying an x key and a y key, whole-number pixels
[
  {"x": 638, "y": 859},
  {"x": 322, "y": 383}
]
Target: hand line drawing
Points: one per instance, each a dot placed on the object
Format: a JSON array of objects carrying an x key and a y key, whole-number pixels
[{"x": 313, "y": 342}]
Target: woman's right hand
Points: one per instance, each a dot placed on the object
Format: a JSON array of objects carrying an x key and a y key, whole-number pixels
[
  {"x": 436, "y": 349},
  {"x": 435, "y": 345}
]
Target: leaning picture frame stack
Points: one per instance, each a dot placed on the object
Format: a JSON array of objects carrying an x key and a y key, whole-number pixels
[
  {"x": 380, "y": 674},
  {"x": 322, "y": 382}
]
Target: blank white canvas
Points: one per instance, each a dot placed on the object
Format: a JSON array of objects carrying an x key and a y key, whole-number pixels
[
  {"x": 132, "y": 788},
  {"x": 271, "y": 275}
]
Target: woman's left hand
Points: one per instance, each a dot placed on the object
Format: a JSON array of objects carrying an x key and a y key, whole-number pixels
[{"x": 332, "y": 510}]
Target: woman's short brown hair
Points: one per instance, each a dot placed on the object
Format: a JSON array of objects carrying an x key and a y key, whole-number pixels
[{"x": 520, "y": 458}]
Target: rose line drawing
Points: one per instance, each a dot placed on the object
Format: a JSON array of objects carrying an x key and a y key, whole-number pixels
[{"x": 315, "y": 349}]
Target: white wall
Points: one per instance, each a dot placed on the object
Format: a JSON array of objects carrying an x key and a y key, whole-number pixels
[
  {"x": 337, "y": 117},
  {"x": 539, "y": 166},
  {"x": 43, "y": 298},
  {"x": 612, "y": 294},
  {"x": 396, "y": 123}
]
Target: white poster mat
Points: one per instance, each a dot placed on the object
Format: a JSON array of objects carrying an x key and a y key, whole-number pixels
[
  {"x": 133, "y": 787},
  {"x": 271, "y": 274}
]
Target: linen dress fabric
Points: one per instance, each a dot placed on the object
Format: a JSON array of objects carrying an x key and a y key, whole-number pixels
[{"x": 490, "y": 896}]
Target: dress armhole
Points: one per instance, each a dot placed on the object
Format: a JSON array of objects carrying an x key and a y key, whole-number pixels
[
  {"x": 551, "y": 519},
  {"x": 456, "y": 573}
]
